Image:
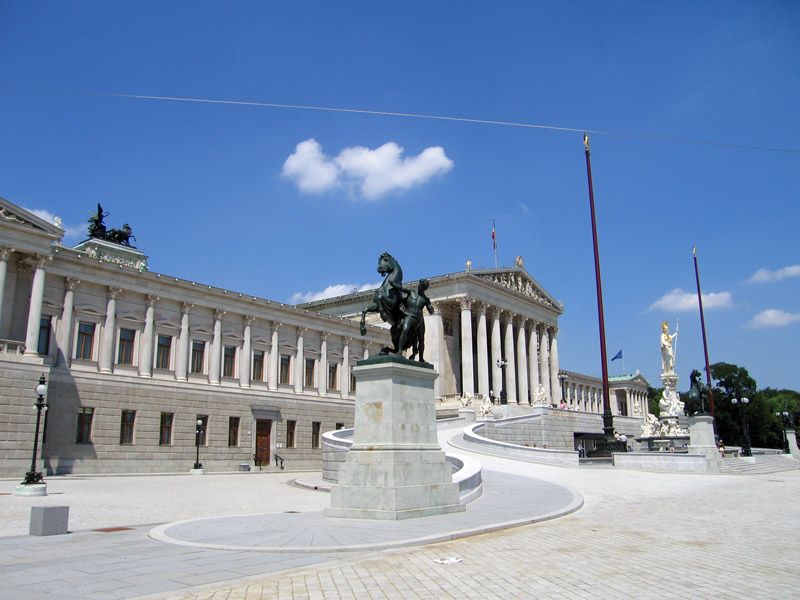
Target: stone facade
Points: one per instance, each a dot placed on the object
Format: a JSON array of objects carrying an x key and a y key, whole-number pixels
[{"x": 133, "y": 358}]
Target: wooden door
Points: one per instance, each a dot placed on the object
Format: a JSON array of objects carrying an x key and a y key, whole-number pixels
[{"x": 263, "y": 430}]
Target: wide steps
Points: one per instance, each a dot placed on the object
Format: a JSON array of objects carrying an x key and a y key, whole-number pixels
[{"x": 760, "y": 463}]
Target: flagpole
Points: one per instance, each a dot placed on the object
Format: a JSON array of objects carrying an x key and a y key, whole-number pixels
[
  {"x": 494, "y": 243},
  {"x": 608, "y": 418},
  {"x": 703, "y": 329}
]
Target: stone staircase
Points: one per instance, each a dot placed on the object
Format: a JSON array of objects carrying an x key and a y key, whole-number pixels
[{"x": 759, "y": 463}]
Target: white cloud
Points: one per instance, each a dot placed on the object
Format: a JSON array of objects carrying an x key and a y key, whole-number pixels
[
  {"x": 313, "y": 171},
  {"x": 339, "y": 289},
  {"x": 772, "y": 317},
  {"x": 70, "y": 231},
  {"x": 374, "y": 173},
  {"x": 678, "y": 300},
  {"x": 764, "y": 275}
]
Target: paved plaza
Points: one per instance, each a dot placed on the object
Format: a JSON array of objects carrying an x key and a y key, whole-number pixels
[{"x": 642, "y": 535}]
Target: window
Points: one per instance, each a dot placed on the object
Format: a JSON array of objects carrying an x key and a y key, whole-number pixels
[
  {"x": 228, "y": 361},
  {"x": 333, "y": 376},
  {"x": 85, "y": 341},
  {"x": 339, "y": 426},
  {"x": 233, "y": 432},
  {"x": 352, "y": 382},
  {"x": 44, "y": 336},
  {"x": 447, "y": 325},
  {"x": 309, "y": 373},
  {"x": 258, "y": 366},
  {"x": 201, "y": 429},
  {"x": 126, "y": 427},
  {"x": 125, "y": 351},
  {"x": 84, "y": 435},
  {"x": 198, "y": 354},
  {"x": 286, "y": 361},
  {"x": 165, "y": 435},
  {"x": 315, "y": 427},
  {"x": 290, "y": 427},
  {"x": 163, "y": 351}
]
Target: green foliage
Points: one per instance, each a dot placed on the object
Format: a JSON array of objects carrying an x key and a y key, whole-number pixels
[
  {"x": 653, "y": 396},
  {"x": 758, "y": 415}
]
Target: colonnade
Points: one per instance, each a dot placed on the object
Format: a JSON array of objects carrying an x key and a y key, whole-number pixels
[
  {"x": 147, "y": 334},
  {"x": 513, "y": 353}
]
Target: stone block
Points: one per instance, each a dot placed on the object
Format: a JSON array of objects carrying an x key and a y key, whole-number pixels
[{"x": 49, "y": 520}]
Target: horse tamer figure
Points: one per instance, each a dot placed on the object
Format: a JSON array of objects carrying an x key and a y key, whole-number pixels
[
  {"x": 698, "y": 390},
  {"x": 402, "y": 308}
]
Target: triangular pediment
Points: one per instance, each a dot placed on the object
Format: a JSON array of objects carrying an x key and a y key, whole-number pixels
[
  {"x": 520, "y": 282},
  {"x": 18, "y": 216}
]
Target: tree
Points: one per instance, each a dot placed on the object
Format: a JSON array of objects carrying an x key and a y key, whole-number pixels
[{"x": 653, "y": 396}]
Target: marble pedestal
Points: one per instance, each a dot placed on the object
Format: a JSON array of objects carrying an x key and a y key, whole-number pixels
[
  {"x": 395, "y": 468},
  {"x": 702, "y": 441}
]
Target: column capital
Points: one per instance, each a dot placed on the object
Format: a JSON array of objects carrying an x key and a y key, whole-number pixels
[
  {"x": 151, "y": 300},
  {"x": 186, "y": 307},
  {"x": 40, "y": 260},
  {"x": 520, "y": 321},
  {"x": 301, "y": 330},
  {"x": 113, "y": 292},
  {"x": 219, "y": 314},
  {"x": 5, "y": 253},
  {"x": 465, "y": 303},
  {"x": 248, "y": 319},
  {"x": 324, "y": 335},
  {"x": 553, "y": 331},
  {"x": 277, "y": 324},
  {"x": 480, "y": 309},
  {"x": 346, "y": 340},
  {"x": 70, "y": 284}
]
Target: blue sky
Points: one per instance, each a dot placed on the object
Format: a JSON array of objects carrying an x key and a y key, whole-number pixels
[{"x": 279, "y": 202}]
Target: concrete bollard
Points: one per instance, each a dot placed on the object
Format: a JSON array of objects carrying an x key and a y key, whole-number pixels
[{"x": 49, "y": 520}]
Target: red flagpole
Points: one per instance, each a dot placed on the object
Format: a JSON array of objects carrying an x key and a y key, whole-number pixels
[
  {"x": 703, "y": 329},
  {"x": 608, "y": 418}
]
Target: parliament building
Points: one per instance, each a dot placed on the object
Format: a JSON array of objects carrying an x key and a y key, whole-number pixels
[{"x": 145, "y": 370}]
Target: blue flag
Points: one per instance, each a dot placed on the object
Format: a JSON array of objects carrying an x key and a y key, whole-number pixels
[{"x": 617, "y": 355}]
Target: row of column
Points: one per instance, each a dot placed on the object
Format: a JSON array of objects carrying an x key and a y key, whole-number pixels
[
  {"x": 589, "y": 398},
  {"x": 526, "y": 360},
  {"x": 64, "y": 335}
]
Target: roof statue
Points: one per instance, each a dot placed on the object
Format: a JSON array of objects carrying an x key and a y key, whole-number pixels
[
  {"x": 98, "y": 230},
  {"x": 402, "y": 308}
]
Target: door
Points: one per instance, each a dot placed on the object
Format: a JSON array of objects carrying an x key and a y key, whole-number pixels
[{"x": 263, "y": 430}]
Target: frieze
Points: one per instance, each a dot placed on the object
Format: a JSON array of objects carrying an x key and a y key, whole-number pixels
[{"x": 521, "y": 285}]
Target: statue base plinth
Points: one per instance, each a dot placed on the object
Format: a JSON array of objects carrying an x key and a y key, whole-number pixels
[{"x": 395, "y": 468}]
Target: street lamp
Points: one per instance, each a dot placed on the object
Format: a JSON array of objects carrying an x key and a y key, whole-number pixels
[
  {"x": 785, "y": 415},
  {"x": 32, "y": 476},
  {"x": 743, "y": 402},
  {"x": 197, "y": 433},
  {"x": 502, "y": 364}
]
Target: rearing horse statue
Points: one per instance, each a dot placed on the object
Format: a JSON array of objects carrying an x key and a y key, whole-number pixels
[
  {"x": 698, "y": 390},
  {"x": 388, "y": 300}
]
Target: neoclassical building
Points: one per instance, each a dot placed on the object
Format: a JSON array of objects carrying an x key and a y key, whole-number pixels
[{"x": 134, "y": 359}]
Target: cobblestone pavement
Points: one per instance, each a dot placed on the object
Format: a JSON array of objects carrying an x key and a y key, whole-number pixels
[{"x": 639, "y": 535}]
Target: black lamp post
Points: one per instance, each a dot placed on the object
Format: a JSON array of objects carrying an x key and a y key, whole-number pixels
[
  {"x": 784, "y": 414},
  {"x": 33, "y": 476},
  {"x": 743, "y": 402},
  {"x": 502, "y": 364},
  {"x": 198, "y": 431}
]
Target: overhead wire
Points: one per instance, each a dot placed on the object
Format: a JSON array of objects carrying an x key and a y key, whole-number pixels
[{"x": 407, "y": 115}]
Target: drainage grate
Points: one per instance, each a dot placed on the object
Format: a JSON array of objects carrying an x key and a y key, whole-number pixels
[{"x": 112, "y": 529}]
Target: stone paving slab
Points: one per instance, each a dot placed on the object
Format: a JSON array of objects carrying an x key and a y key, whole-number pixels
[{"x": 314, "y": 532}]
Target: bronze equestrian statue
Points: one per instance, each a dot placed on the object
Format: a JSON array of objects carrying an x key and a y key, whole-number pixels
[{"x": 402, "y": 308}]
